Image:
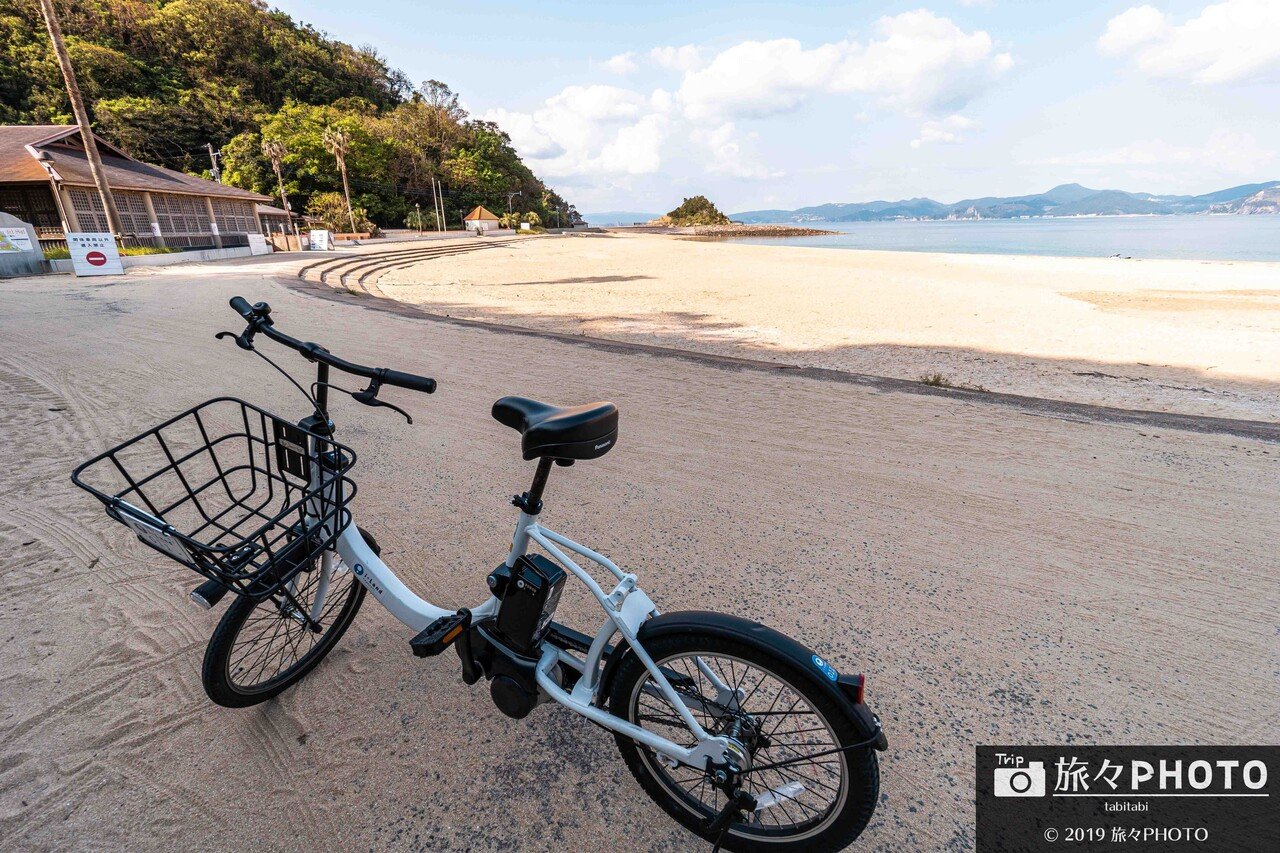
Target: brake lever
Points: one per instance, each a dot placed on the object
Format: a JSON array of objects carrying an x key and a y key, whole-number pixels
[
  {"x": 244, "y": 340},
  {"x": 369, "y": 396}
]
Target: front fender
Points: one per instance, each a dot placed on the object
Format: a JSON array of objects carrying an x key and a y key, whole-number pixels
[{"x": 844, "y": 690}]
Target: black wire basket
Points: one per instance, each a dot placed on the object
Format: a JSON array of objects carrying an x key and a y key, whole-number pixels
[{"x": 229, "y": 490}]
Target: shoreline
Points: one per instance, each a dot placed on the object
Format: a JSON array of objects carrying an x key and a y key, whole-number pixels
[
  {"x": 1194, "y": 338},
  {"x": 1256, "y": 430}
]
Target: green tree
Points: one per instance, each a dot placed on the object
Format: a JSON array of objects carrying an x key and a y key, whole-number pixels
[
  {"x": 697, "y": 211},
  {"x": 421, "y": 221},
  {"x": 165, "y": 77},
  {"x": 331, "y": 210},
  {"x": 338, "y": 143}
]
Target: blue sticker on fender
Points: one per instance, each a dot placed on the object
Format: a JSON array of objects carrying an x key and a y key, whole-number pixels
[{"x": 827, "y": 669}]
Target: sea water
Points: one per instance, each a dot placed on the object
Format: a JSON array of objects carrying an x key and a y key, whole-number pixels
[{"x": 1225, "y": 237}]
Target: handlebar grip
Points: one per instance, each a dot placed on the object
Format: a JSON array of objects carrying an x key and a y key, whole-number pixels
[
  {"x": 409, "y": 380},
  {"x": 243, "y": 308}
]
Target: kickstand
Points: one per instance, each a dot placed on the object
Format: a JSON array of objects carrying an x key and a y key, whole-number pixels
[{"x": 740, "y": 802}]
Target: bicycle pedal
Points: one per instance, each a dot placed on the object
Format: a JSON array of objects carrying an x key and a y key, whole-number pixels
[{"x": 440, "y": 634}]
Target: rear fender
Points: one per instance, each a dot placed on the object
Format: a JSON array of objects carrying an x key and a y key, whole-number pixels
[{"x": 844, "y": 690}]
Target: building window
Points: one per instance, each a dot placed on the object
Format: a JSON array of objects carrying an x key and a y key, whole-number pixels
[
  {"x": 133, "y": 213},
  {"x": 32, "y": 204},
  {"x": 234, "y": 217},
  {"x": 89, "y": 212}
]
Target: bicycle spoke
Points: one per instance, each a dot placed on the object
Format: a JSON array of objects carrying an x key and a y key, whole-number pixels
[
  {"x": 788, "y": 727},
  {"x": 277, "y": 636}
]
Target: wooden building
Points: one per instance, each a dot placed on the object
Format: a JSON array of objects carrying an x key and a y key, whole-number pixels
[{"x": 45, "y": 180}]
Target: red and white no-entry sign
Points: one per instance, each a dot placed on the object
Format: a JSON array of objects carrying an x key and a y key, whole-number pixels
[{"x": 94, "y": 254}]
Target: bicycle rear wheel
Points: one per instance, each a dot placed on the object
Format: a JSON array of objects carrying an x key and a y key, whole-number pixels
[
  {"x": 261, "y": 648},
  {"x": 821, "y": 797}
]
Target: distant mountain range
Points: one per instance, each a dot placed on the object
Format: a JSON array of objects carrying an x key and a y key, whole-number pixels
[{"x": 1064, "y": 200}]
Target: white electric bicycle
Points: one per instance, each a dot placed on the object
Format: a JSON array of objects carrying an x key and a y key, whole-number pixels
[{"x": 743, "y": 735}]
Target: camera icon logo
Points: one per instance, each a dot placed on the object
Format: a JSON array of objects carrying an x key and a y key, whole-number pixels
[{"x": 1020, "y": 781}]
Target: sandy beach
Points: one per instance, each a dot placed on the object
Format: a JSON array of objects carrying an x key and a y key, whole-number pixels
[
  {"x": 1002, "y": 576},
  {"x": 1178, "y": 336}
]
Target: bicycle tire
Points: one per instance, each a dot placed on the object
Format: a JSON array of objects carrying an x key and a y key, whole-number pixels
[
  {"x": 222, "y": 655},
  {"x": 861, "y": 774}
]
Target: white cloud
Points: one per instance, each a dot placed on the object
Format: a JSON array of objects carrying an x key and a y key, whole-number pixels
[
  {"x": 685, "y": 58},
  {"x": 726, "y": 156},
  {"x": 1139, "y": 25},
  {"x": 525, "y": 134},
  {"x": 635, "y": 149},
  {"x": 623, "y": 63},
  {"x": 1223, "y": 152},
  {"x": 588, "y": 130},
  {"x": 1227, "y": 42},
  {"x": 924, "y": 63},
  {"x": 918, "y": 62},
  {"x": 755, "y": 79},
  {"x": 948, "y": 130}
]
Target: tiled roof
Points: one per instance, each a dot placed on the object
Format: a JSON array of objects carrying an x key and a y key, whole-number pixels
[
  {"x": 479, "y": 213},
  {"x": 16, "y": 162},
  {"x": 72, "y": 166}
]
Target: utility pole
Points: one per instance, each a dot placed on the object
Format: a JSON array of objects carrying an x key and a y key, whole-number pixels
[
  {"x": 82, "y": 117},
  {"x": 213, "y": 162},
  {"x": 510, "y": 196},
  {"x": 435, "y": 202},
  {"x": 442, "y": 225}
]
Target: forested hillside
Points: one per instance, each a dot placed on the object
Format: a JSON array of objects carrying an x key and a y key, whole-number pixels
[{"x": 162, "y": 79}]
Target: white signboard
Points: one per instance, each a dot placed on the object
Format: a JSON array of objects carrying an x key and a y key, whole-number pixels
[
  {"x": 15, "y": 240},
  {"x": 258, "y": 245},
  {"x": 321, "y": 240},
  {"x": 94, "y": 254}
]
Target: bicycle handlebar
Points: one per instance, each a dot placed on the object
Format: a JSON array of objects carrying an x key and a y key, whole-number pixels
[{"x": 259, "y": 319}]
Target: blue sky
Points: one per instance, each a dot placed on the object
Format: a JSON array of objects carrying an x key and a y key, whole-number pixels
[{"x": 631, "y": 106}]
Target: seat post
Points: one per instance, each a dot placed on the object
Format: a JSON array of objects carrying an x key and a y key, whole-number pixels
[{"x": 531, "y": 501}]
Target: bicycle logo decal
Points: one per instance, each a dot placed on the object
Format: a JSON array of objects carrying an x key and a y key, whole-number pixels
[{"x": 827, "y": 669}]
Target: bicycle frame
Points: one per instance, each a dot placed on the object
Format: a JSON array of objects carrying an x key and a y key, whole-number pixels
[{"x": 626, "y": 607}]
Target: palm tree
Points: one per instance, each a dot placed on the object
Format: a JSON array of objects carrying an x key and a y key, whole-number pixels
[
  {"x": 509, "y": 220},
  {"x": 338, "y": 142},
  {"x": 274, "y": 150}
]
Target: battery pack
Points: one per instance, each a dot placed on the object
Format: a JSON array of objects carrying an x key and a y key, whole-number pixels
[{"x": 529, "y": 592}]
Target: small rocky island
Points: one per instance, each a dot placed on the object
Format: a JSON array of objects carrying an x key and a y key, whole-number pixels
[{"x": 699, "y": 217}]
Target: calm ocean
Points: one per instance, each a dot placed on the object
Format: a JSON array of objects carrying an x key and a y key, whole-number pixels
[{"x": 1227, "y": 237}]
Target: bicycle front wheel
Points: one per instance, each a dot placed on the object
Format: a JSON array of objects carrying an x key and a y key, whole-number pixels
[
  {"x": 818, "y": 797},
  {"x": 261, "y": 648}
]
